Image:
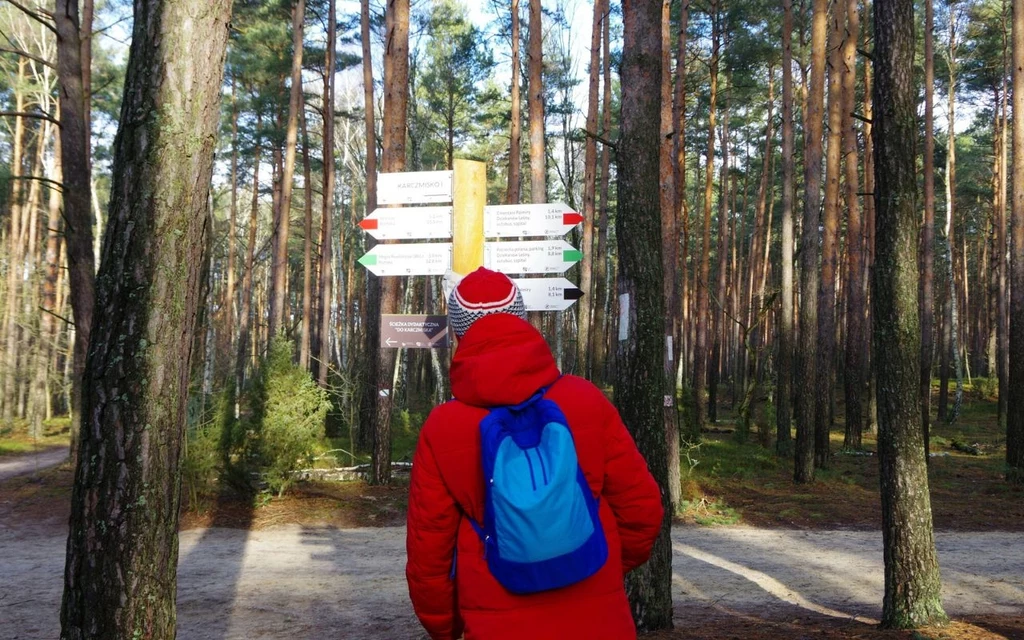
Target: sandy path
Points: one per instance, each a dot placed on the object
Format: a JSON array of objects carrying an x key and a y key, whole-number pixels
[
  {"x": 11, "y": 466},
  {"x": 313, "y": 582}
]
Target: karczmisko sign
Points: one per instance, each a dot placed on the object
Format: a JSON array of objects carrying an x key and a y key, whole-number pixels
[
  {"x": 531, "y": 256},
  {"x": 414, "y": 187},
  {"x": 413, "y": 331},
  {"x": 419, "y": 259},
  {"x": 550, "y": 220}
]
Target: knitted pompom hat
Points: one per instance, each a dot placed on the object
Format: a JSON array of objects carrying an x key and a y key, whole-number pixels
[{"x": 482, "y": 293}]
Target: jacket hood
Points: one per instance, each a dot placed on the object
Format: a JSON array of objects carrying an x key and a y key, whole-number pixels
[{"x": 501, "y": 360}]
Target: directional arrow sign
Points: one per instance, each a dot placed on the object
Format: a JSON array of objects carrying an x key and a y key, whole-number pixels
[
  {"x": 413, "y": 331},
  {"x": 533, "y": 256},
  {"x": 414, "y": 187},
  {"x": 408, "y": 223},
  {"x": 515, "y": 220},
  {"x": 548, "y": 294},
  {"x": 431, "y": 259}
]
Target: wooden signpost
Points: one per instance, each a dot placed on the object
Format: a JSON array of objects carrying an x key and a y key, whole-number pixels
[{"x": 467, "y": 222}]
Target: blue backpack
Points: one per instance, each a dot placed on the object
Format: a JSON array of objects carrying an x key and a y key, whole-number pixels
[{"x": 541, "y": 528}]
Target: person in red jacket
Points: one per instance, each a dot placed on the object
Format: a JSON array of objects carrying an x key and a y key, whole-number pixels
[{"x": 502, "y": 360}]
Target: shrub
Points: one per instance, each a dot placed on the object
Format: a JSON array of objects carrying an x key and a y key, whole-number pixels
[{"x": 286, "y": 421}]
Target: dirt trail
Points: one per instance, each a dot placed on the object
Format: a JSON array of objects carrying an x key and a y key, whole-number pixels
[
  {"x": 12, "y": 466},
  {"x": 323, "y": 582}
]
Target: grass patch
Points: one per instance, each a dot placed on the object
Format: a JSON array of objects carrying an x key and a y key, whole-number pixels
[{"x": 16, "y": 440}]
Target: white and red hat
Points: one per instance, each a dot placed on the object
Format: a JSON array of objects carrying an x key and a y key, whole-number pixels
[{"x": 482, "y": 293}]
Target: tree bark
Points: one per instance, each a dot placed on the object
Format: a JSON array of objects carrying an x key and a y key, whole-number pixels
[
  {"x": 585, "y": 308},
  {"x": 371, "y": 324},
  {"x": 927, "y": 304},
  {"x": 514, "y": 188},
  {"x": 641, "y": 355},
  {"x": 952, "y": 308},
  {"x": 229, "y": 295},
  {"x": 76, "y": 191},
  {"x": 307, "y": 245},
  {"x": 279, "y": 278},
  {"x": 682, "y": 205},
  {"x": 853, "y": 372},
  {"x": 912, "y": 584},
  {"x": 538, "y": 166},
  {"x": 809, "y": 251},
  {"x": 700, "y": 349},
  {"x": 396, "y": 101},
  {"x": 122, "y": 552},
  {"x": 245, "y": 310},
  {"x": 327, "y": 213},
  {"x": 1015, "y": 385},
  {"x": 599, "y": 338},
  {"x": 825, "y": 379},
  {"x": 784, "y": 401}
]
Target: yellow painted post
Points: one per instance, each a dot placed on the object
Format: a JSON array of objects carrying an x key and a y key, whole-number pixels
[{"x": 468, "y": 199}]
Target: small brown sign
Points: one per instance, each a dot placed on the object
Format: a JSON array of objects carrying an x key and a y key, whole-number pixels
[{"x": 413, "y": 331}]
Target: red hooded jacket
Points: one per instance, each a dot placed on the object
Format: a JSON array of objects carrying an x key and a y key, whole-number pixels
[{"x": 504, "y": 360}]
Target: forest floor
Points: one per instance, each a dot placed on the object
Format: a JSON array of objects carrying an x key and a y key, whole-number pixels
[{"x": 755, "y": 557}]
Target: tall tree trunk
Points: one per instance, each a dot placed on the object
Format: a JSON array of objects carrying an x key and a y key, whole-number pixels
[
  {"x": 952, "y": 308},
  {"x": 853, "y": 376},
  {"x": 14, "y": 266},
  {"x": 669, "y": 252},
  {"x": 307, "y": 246},
  {"x": 229, "y": 295},
  {"x": 1015, "y": 384},
  {"x": 245, "y": 310},
  {"x": 682, "y": 205},
  {"x": 599, "y": 338},
  {"x": 48, "y": 303},
  {"x": 371, "y": 323},
  {"x": 76, "y": 190},
  {"x": 912, "y": 584},
  {"x": 396, "y": 101},
  {"x": 327, "y": 213},
  {"x": 718, "y": 327},
  {"x": 514, "y": 188},
  {"x": 1000, "y": 256},
  {"x": 809, "y": 251},
  {"x": 927, "y": 303},
  {"x": 783, "y": 414},
  {"x": 869, "y": 227},
  {"x": 825, "y": 379},
  {"x": 122, "y": 552},
  {"x": 538, "y": 166},
  {"x": 641, "y": 355},
  {"x": 584, "y": 311},
  {"x": 700, "y": 348},
  {"x": 278, "y": 291}
]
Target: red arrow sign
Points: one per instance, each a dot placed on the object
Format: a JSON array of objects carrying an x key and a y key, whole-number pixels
[
  {"x": 368, "y": 224},
  {"x": 572, "y": 218}
]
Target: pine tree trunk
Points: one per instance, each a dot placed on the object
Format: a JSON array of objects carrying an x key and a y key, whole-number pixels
[
  {"x": 1000, "y": 256},
  {"x": 396, "y": 101},
  {"x": 76, "y": 191},
  {"x": 641, "y": 355},
  {"x": 600, "y": 336},
  {"x": 912, "y": 582},
  {"x": 245, "y": 310},
  {"x": 307, "y": 245},
  {"x": 122, "y": 550},
  {"x": 927, "y": 304},
  {"x": 700, "y": 346},
  {"x": 784, "y": 400},
  {"x": 1015, "y": 383},
  {"x": 279, "y": 266},
  {"x": 585, "y": 308},
  {"x": 513, "y": 188},
  {"x": 327, "y": 213},
  {"x": 538, "y": 166},
  {"x": 229, "y": 295},
  {"x": 371, "y": 314},
  {"x": 682, "y": 205},
  {"x": 669, "y": 254},
  {"x": 853, "y": 371},
  {"x": 825, "y": 378},
  {"x": 807, "y": 356},
  {"x": 719, "y": 329},
  {"x": 952, "y": 308}
]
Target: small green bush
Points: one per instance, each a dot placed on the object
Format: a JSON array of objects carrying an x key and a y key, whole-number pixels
[{"x": 286, "y": 421}]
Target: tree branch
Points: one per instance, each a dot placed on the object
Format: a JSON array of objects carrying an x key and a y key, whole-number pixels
[
  {"x": 52, "y": 183},
  {"x": 862, "y": 118},
  {"x": 40, "y": 16},
  {"x": 26, "y": 54},
  {"x": 56, "y": 315},
  {"x": 27, "y": 114},
  {"x": 595, "y": 136}
]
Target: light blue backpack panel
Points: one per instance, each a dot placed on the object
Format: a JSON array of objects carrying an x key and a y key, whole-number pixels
[{"x": 541, "y": 527}]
